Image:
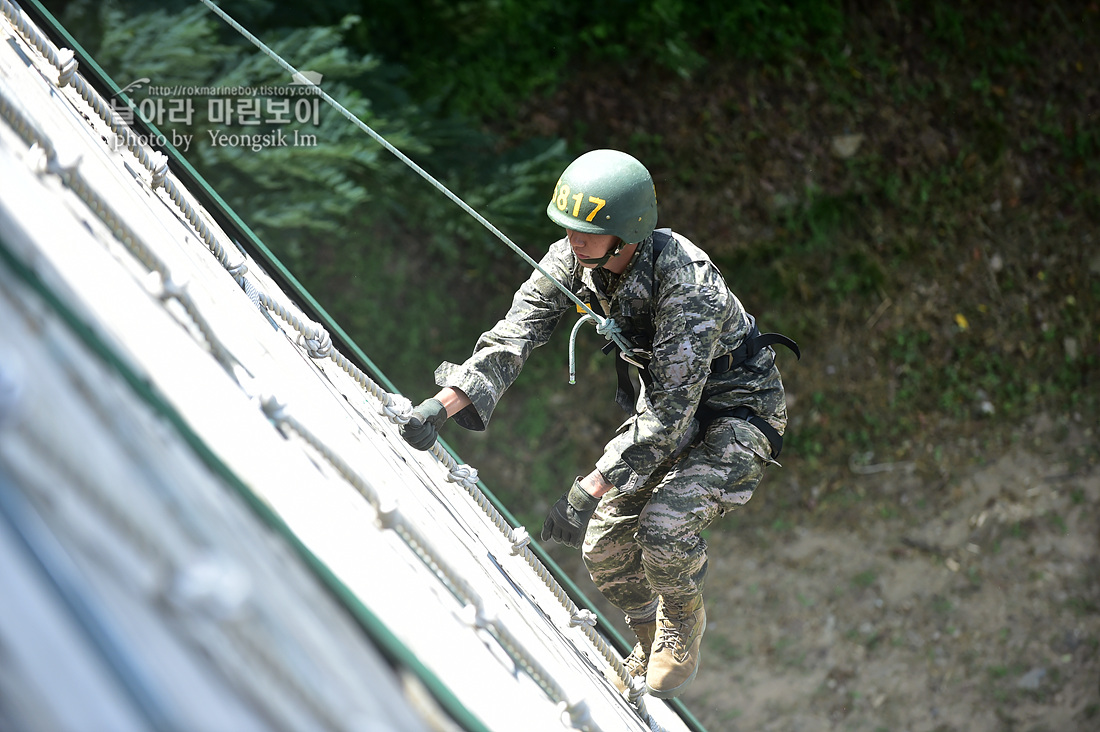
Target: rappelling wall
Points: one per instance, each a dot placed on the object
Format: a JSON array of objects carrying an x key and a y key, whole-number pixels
[{"x": 208, "y": 520}]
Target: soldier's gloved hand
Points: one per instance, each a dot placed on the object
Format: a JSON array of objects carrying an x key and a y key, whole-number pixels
[
  {"x": 568, "y": 519},
  {"x": 423, "y": 426}
]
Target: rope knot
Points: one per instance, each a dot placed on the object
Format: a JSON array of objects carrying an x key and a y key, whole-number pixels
[
  {"x": 317, "y": 344},
  {"x": 388, "y": 513},
  {"x": 160, "y": 170},
  {"x": 520, "y": 539},
  {"x": 583, "y": 616},
  {"x": 67, "y": 59},
  {"x": 608, "y": 328},
  {"x": 464, "y": 475},
  {"x": 476, "y": 617},
  {"x": 579, "y": 714},
  {"x": 170, "y": 289},
  {"x": 397, "y": 408},
  {"x": 273, "y": 408},
  {"x": 38, "y": 158},
  {"x": 636, "y": 691}
]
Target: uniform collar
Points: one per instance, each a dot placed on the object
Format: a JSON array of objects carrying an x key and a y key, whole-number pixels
[{"x": 639, "y": 267}]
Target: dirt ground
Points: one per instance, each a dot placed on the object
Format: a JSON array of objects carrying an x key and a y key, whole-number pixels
[
  {"x": 952, "y": 586},
  {"x": 976, "y": 612}
]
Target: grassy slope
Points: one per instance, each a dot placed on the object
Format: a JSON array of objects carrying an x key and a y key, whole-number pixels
[{"x": 941, "y": 278}]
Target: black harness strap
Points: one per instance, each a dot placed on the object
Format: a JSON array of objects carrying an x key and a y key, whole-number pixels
[
  {"x": 750, "y": 346},
  {"x": 706, "y": 416},
  {"x": 624, "y": 388}
]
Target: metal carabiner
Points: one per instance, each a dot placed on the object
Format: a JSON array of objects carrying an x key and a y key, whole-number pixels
[{"x": 638, "y": 357}]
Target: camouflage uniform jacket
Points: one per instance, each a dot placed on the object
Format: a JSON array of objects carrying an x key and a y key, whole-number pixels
[{"x": 686, "y": 316}]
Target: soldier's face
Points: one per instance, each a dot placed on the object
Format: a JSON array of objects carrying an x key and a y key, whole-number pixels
[{"x": 590, "y": 246}]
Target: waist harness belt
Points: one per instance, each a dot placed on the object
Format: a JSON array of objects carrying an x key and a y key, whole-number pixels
[
  {"x": 737, "y": 358},
  {"x": 751, "y": 345}
]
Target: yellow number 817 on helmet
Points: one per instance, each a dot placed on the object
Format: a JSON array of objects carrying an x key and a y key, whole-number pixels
[{"x": 605, "y": 192}]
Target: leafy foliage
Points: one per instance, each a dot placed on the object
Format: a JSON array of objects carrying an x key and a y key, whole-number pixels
[
  {"x": 940, "y": 268},
  {"x": 484, "y": 57},
  {"x": 297, "y": 197}
]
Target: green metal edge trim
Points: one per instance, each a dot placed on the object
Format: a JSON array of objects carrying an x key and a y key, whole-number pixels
[
  {"x": 230, "y": 220},
  {"x": 388, "y": 643}
]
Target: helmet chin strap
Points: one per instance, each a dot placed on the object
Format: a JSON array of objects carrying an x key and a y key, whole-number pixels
[{"x": 605, "y": 258}]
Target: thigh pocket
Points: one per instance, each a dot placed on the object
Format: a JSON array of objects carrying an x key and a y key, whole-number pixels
[
  {"x": 744, "y": 452},
  {"x": 752, "y": 439}
]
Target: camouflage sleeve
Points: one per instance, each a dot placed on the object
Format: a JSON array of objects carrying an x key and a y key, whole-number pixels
[
  {"x": 690, "y": 318},
  {"x": 500, "y": 353}
]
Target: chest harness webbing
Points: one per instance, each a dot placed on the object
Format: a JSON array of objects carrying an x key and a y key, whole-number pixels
[{"x": 752, "y": 343}]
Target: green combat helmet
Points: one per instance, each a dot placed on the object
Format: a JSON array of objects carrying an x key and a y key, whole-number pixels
[{"x": 605, "y": 192}]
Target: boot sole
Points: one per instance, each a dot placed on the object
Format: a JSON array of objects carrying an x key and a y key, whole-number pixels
[{"x": 673, "y": 692}]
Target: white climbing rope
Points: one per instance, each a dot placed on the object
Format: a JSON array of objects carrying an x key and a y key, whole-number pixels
[
  {"x": 312, "y": 337},
  {"x": 164, "y": 287},
  {"x": 390, "y": 517}
]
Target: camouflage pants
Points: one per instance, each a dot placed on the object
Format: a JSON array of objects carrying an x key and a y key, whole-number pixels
[{"x": 649, "y": 542}]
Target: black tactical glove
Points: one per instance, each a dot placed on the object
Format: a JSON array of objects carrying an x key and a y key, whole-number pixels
[
  {"x": 569, "y": 517},
  {"x": 422, "y": 429}
]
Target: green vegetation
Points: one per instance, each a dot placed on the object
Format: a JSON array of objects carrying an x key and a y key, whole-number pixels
[
  {"x": 483, "y": 58},
  {"x": 865, "y": 579},
  {"x": 912, "y": 192}
]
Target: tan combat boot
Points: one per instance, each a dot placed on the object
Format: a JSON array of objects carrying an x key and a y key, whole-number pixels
[
  {"x": 636, "y": 663},
  {"x": 675, "y": 657}
]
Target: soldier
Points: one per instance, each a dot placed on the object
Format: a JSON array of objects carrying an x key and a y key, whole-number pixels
[{"x": 707, "y": 421}]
